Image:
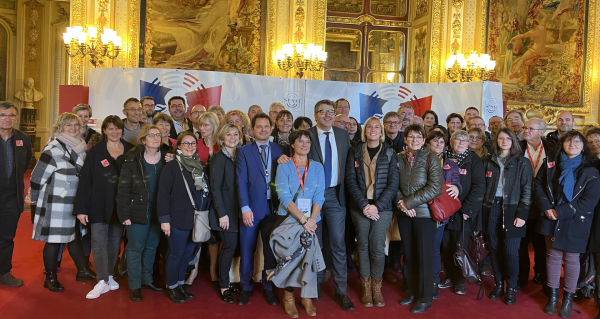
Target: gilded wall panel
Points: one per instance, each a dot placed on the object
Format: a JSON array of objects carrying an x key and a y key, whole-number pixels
[{"x": 420, "y": 54}]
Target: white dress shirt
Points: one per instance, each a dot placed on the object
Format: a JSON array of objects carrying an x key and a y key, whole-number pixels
[
  {"x": 534, "y": 156},
  {"x": 335, "y": 164}
]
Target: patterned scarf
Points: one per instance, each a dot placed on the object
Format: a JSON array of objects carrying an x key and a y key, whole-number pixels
[
  {"x": 459, "y": 157},
  {"x": 193, "y": 165}
]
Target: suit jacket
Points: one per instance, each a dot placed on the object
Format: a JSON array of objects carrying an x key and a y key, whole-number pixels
[
  {"x": 222, "y": 183},
  {"x": 173, "y": 133},
  {"x": 342, "y": 141},
  {"x": 22, "y": 157},
  {"x": 251, "y": 185}
]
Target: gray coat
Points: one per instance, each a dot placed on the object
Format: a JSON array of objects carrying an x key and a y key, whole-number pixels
[
  {"x": 54, "y": 183},
  {"x": 302, "y": 271}
]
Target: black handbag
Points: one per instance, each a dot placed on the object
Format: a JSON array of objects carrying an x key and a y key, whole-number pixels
[{"x": 468, "y": 267}]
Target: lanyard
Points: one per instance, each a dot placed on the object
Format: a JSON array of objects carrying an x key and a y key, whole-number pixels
[
  {"x": 537, "y": 161},
  {"x": 298, "y": 171}
]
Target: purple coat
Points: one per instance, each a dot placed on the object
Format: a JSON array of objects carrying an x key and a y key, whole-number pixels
[{"x": 450, "y": 172}]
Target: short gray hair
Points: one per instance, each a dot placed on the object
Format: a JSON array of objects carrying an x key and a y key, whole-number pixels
[
  {"x": 274, "y": 104},
  {"x": 514, "y": 111},
  {"x": 541, "y": 123},
  {"x": 460, "y": 134}
]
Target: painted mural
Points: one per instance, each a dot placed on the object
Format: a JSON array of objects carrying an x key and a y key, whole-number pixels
[
  {"x": 539, "y": 50},
  {"x": 215, "y": 35}
]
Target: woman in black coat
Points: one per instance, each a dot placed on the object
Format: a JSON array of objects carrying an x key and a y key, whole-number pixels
[
  {"x": 177, "y": 201},
  {"x": 509, "y": 178},
  {"x": 372, "y": 183},
  {"x": 95, "y": 201},
  {"x": 225, "y": 210},
  {"x": 566, "y": 189}
]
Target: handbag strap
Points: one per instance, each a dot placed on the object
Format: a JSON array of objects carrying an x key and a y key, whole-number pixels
[{"x": 187, "y": 187}]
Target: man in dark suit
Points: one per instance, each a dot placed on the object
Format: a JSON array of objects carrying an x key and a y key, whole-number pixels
[
  {"x": 15, "y": 155},
  {"x": 330, "y": 148},
  {"x": 195, "y": 114},
  {"x": 177, "y": 111},
  {"x": 255, "y": 168}
]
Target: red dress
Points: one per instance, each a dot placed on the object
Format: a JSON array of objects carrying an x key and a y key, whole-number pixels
[{"x": 203, "y": 150}]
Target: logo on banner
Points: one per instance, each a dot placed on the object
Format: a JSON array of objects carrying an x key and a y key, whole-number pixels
[
  {"x": 292, "y": 101},
  {"x": 491, "y": 106},
  {"x": 371, "y": 105}
]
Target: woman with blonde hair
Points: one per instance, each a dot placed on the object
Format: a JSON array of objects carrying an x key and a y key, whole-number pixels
[
  {"x": 54, "y": 183},
  {"x": 240, "y": 119},
  {"x": 207, "y": 145}
]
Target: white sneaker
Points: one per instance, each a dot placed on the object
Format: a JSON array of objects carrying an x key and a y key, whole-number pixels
[
  {"x": 112, "y": 283},
  {"x": 100, "y": 288}
]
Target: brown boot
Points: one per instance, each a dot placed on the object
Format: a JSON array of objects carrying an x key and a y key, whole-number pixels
[
  {"x": 309, "y": 307},
  {"x": 366, "y": 299},
  {"x": 289, "y": 304},
  {"x": 389, "y": 277},
  {"x": 376, "y": 288}
]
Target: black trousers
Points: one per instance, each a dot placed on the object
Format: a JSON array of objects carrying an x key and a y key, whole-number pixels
[
  {"x": 504, "y": 251},
  {"x": 9, "y": 219},
  {"x": 539, "y": 253},
  {"x": 229, "y": 242},
  {"x": 75, "y": 247},
  {"x": 418, "y": 241},
  {"x": 449, "y": 241}
]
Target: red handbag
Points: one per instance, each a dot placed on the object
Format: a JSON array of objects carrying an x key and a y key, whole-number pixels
[{"x": 444, "y": 205}]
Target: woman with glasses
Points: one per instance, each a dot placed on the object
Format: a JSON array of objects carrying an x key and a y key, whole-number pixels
[
  {"x": 164, "y": 123},
  {"x": 354, "y": 130},
  {"x": 508, "y": 176},
  {"x": 430, "y": 120},
  {"x": 137, "y": 196},
  {"x": 283, "y": 127},
  {"x": 420, "y": 181},
  {"x": 176, "y": 211},
  {"x": 463, "y": 223},
  {"x": 566, "y": 190},
  {"x": 593, "y": 137},
  {"x": 476, "y": 140}
]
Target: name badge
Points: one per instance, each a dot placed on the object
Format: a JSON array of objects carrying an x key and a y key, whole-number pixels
[
  {"x": 19, "y": 142},
  {"x": 304, "y": 206},
  {"x": 463, "y": 171},
  {"x": 355, "y": 164},
  {"x": 550, "y": 164},
  {"x": 446, "y": 166},
  {"x": 105, "y": 163},
  {"x": 488, "y": 174}
]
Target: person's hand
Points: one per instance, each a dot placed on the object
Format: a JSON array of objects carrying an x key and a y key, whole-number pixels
[
  {"x": 452, "y": 190},
  {"x": 248, "y": 218},
  {"x": 551, "y": 214},
  {"x": 519, "y": 222},
  {"x": 465, "y": 216},
  {"x": 310, "y": 226},
  {"x": 166, "y": 228},
  {"x": 410, "y": 212},
  {"x": 83, "y": 219},
  {"x": 127, "y": 222},
  {"x": 224, "y": 222},
  {"x": 169, "y": 157},
  {"x": 283, "y": 159},
  {"x": 402, "y": 205}
]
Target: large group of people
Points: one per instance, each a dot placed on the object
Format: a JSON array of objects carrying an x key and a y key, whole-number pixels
[{"x": 313, "y": 196}]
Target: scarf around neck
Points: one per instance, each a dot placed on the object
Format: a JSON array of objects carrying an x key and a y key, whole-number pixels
[
  {"x": 76, "y": 143},
  {"x": 567, "y": 174},
  {"x": 459, "y": 157},
  {"x": 193, "y": 165}
]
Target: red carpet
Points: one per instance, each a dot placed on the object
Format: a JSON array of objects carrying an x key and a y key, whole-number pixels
[{"x": 33, "y": 301}]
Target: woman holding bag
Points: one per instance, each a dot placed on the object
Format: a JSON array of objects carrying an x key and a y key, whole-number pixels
[
  {"x": 183, "y": 189},
  {"x": 372, "y": 182},
  {"x": 508, "y": 177},
  {"x": 420, "y": 182}
]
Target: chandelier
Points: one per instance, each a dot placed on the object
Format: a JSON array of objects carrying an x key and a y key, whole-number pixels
[
  {"x": 301, "y": 57},
  {"x": 467, "y": 68},
  {"x": 77, "y": 42}
]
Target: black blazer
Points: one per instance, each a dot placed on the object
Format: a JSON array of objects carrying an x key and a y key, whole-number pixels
[
  {"x": 534, "y": 210},
  {"x": 342, "y": 141},
  {"x": 174, "y": 204},
  {"x": 97, "y": 188},
  {"x": 22, "y": 157},
  {"x": 222, "y": 185},
  {"x": 173, "y": 132}
]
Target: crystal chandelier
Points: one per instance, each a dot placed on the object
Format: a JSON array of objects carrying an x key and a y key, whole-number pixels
[
  {"x": 467, "y": 68},
  {"x": 77, "y": 42},
  {"x": 301, "y": 57}
]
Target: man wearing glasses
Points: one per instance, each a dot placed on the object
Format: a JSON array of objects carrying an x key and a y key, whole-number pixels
[
  {"x": 478, "y": 122},
  {"x": 15, "y": 155},
  {"x": 495, "y": 123},
  {"x": 132, "y": 109},
  {"x": 406, "y": 114},
  {"x": 534, "y": 147},
  {"x": 342, "y": 106},
  {"x": 341, "y": 121},
  {"x": 392, "y": 124},
  {"x": 148, "y": 105},
  {"x": 177, "y": 111},
  {"x": 564, "y": 124},
  {"x": 195, "y": 114}
]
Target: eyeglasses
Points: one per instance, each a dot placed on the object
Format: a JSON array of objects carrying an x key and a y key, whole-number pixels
[
  {"x": 327, "y": 112},
  {"x": 414, "y": 137},
  {"x": 460, "y": 141},
  {"x": 342, "y": 107},
  {"x": 475, "y": 138},
  {"x": 574, "y": 141},
  {"x": 480, "y": 125},
  {"x": 10, "y": 116},
  {"x": 343, "y": 122},
  {"x": 406, "y": 114},
  {"x": 508, "y": 138},
  {"x": 392, "y": 123},
  {"x": 596, "y": 141},
  {"x": 178, "y": 106},
  {"x": 197, "y": 113},
  {"x": 153, "y": 135},
  {"x": 148, "y": 105},
  {"x": 525, "y": 128},
  {"x": 189, "y": 144},
  {"x": 134, "y": 109}
]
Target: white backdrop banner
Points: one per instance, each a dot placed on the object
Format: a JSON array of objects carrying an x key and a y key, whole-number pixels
[{"x": 110, "y": 87}]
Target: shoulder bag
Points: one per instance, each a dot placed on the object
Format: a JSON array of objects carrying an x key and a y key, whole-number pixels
[
  {"x": 468, "y": 267},
  {"x": 444, "y": 205},
  {"x": 201, "y": 230}
]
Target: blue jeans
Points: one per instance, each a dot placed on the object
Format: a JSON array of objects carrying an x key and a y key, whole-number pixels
[
  {"x": 437, "y": 257},
  {"x": 180, "y": 250},
  {"x": 142, "y": 240}
]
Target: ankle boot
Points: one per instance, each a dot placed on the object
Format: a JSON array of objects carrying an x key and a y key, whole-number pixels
[
  {"x": 309, "y": 307},
  {"x": 289, "y": 304},
  {"x": 498, "y": 291},
  {"x": 552, "y": 301},
  {"x": 511, "y": 296},
  {"x": 366, "y": 299},
  {"x": 567, "y": 305},
  {"x": 376, "y": 290},
  {"x": 84, "y": 274},
  {"x": 52, "y": 283}
]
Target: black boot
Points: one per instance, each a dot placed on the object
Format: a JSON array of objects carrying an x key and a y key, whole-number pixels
[
  {"x": 567, "y": 305},
  {"x": 552, "y": 301},
  {"x": 84, "y": 274},
  {"x": 511, "y": 296},
  {"x": 498, "y": 291},
  {"x": 52, "y": 283}
]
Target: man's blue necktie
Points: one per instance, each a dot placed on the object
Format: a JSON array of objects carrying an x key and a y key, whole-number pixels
[{"x": 328, "y": 167}]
